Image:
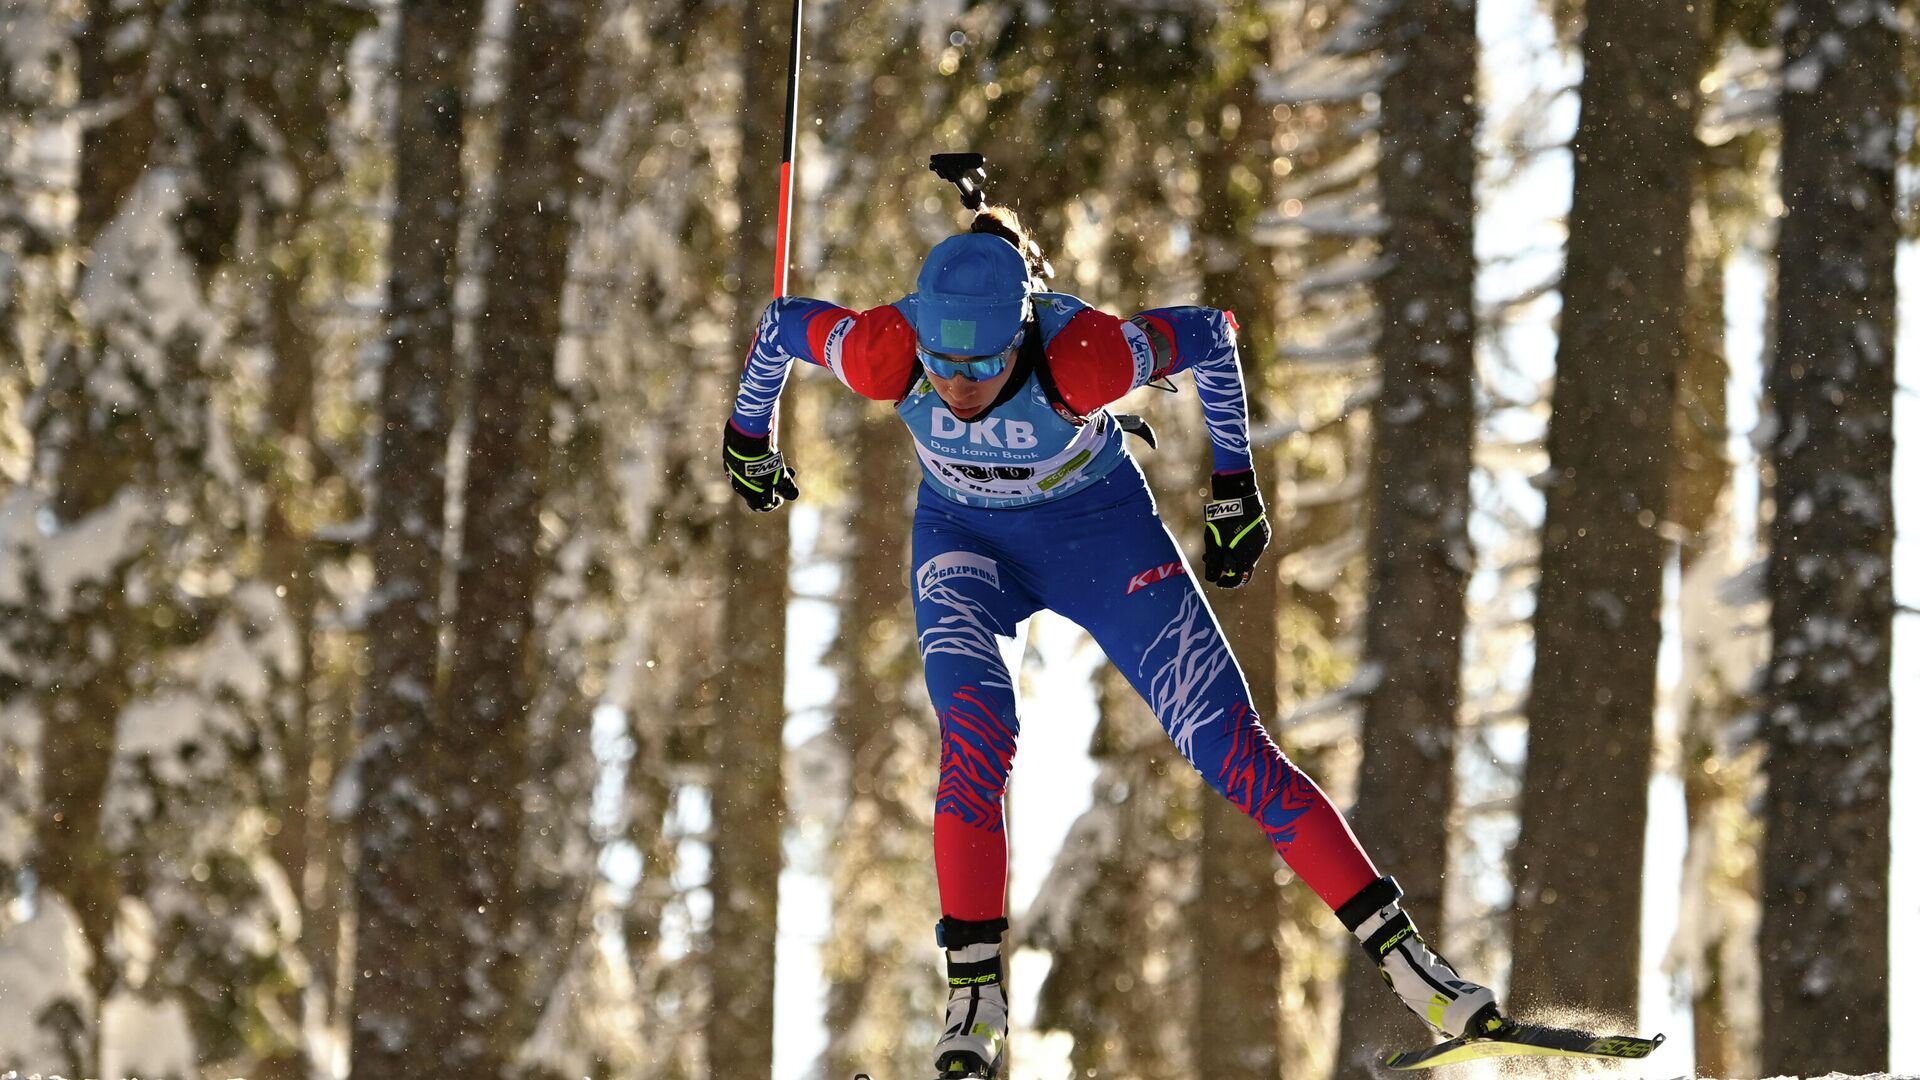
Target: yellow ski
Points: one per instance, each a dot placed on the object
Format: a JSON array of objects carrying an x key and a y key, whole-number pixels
[{"x": 1527, "y": 1040}]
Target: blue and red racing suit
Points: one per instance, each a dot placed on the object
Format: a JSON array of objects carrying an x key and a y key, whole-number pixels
[{"x": 1036, "y": 503}]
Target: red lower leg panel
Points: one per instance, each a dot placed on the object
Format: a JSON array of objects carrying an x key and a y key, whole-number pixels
[
  {"x": 1303, "y": 825},
  {"x": 971, "y": 863},
  {"x": 969, "y": 820},
  {"x": 1322, "y": 848}
]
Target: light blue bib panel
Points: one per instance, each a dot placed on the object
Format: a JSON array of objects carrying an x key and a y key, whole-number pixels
[{"x": 1020, "y": 453}]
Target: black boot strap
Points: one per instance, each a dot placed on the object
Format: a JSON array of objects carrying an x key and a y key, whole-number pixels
[
  {"x": 1367, "y": 903},
  {"x": 952, "y": 933}
]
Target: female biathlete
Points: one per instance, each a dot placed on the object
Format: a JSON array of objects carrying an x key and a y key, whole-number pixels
[{"x": 1030, "y": 500}]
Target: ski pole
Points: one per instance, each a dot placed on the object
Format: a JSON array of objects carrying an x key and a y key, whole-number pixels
[{"x": 786, "y": 158}]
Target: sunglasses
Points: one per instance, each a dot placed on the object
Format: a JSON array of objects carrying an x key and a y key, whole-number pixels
[{"x": 975, "y": 368}]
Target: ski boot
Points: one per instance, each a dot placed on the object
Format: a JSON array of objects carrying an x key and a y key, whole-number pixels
[
  {"x": 1426, "y": 983},
  {"x": 976, "y": 1034}
]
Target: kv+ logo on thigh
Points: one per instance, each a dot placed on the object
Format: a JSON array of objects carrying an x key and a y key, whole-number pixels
[{"x": 1154, "y": 576}]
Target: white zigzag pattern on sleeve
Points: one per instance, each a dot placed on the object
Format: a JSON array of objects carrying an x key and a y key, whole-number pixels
[
  {"x": 766, "y": 373},
  {"x": 1222, "y": 400}
]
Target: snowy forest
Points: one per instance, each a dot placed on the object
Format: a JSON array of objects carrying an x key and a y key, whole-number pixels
[{"x": 390, "y": 686}]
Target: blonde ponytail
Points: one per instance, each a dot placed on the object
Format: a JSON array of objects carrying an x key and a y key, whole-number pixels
[{"x": 1001, "y": 221}]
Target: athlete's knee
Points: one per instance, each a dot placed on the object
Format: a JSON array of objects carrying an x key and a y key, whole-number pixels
[{"x": 1243, "y": 763}]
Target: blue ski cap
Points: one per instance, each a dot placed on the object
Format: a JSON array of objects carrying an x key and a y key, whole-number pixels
[{"x": 973, "y": 296}]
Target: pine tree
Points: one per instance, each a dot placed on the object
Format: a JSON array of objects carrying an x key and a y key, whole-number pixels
[
  {"x": 1827, "y": 710},
  {"x": 1109, "y": 912},
  {"x": 749, "y": 803},
  {"x": 662, "y": 233},
  {"x": 301, "y": 89},
  {"x": 884, "y": 997},
  {"x": 406, "y": 881},
  {"x": 1597, "y": 622},
  {"x": 495, "y": 659},
  {"x": 95, "y": 432},
  {"x": 1419, "y": 556},
  {"x": 884, "y": 992},
  {"x": 1236, "y": 952},
  {"x": 1323, "y": 222}
]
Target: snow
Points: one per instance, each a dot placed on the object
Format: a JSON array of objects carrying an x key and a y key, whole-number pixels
[
  {"x": 20, "y": 726},
  {"x": 568, "y": 1038},
  {"x": 1803, "y": 75},
  {"x": 1343, "y": 272},
  {"x": 147, "y": 1039},
  {"x": 34, "y": 546},
  {"x": 1322, "y": 79},
  {"x": 141, "y": 291},
  {"x": 1051, "y": 916},
  {"x": 43, "y": 960}
]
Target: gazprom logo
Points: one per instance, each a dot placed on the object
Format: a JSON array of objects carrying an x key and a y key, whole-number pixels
[
  {"x": 957, "y": 334},
  {"x": 956, "y": 564}
]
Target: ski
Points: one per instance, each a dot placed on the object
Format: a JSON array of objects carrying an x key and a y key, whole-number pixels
[
  {"x": 864, "y": 1076},
  {"x": 1526, "y": 1040}
]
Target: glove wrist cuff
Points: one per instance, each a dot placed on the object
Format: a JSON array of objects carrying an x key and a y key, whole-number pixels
[
  {"x": 1235, "y": 485},
  {"x": 746, "y": 445}
]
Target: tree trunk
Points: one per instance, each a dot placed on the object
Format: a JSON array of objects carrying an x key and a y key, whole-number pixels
[
  {"x": 494, "y": 664},
  {"x": 749, "y": 802},
  {"x": 883, "y": 996},
  {"x": 1597, "y": 623},
  {"x": 1237, "y": 961},
  {"x": 1827, "y": 715},
  {"x": 1121, "y": 983},
  {"x": 1236, "y": 952},
  {"x": 114, "y": 53},
  {"x": 405, "y": 887},
  {"x": 1419, "y": 555},
  {"x": 89, "y": 451},
  {"x": 305, "y": 839}
]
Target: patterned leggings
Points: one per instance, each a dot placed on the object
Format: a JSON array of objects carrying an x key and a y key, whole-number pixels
[{"x": 1102, "y": 558}]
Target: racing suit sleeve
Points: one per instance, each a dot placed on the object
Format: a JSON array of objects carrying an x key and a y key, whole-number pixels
[
  {"x": 871, "y": 352},
  {"x": 1097, "y": 358}
]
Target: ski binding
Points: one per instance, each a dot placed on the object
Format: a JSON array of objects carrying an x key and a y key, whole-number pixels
[{"x": 1526, "y": 1040}]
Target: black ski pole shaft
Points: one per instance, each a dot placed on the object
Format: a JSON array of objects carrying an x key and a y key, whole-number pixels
[{"x": 781, "y": 236}]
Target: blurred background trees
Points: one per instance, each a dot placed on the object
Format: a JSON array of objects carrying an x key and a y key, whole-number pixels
[{"x": 388, "y": 684}]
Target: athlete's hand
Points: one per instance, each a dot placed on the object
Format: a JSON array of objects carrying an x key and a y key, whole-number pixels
[
  {"x": 1237, "y": 529},
  {"x": 757, "y": 471}
]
